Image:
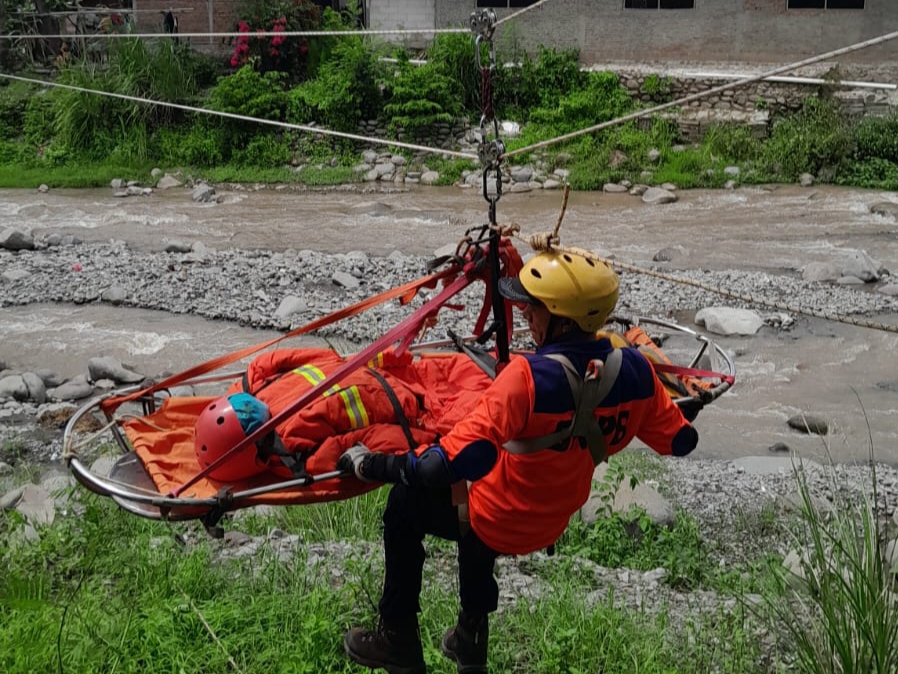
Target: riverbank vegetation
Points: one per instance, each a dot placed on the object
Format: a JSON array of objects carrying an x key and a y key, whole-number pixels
[
  {"x": 69, "y": 137},
  {"x": 101, "y": 590}
]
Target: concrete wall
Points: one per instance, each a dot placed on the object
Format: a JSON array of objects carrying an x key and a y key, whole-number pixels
[
  {"x": 406, "y": 14},
  {"x": 746, "y": 31}
]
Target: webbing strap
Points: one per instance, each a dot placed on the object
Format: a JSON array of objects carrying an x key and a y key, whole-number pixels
[
  {"x": 481, "y": 357},
  {"x": 404, "y": 292},
  {"x": 588, "y": 393},
  {"x": 401, "y": 419}
]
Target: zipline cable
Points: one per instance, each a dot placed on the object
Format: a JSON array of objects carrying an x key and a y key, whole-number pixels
[
  {"x": 708, "y": 92},
  {"x": 244, "y": 118},
  {"x": 746, "y": 297},
  {"x": 250, "y": 34},
  {"x": 516, "y": 14}
]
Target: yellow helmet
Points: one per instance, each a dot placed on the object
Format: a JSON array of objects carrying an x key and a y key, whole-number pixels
[{"x": 570, "y": 284}]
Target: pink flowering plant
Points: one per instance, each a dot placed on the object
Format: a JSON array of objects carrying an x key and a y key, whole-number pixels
[{"x": 288, "y": 54}]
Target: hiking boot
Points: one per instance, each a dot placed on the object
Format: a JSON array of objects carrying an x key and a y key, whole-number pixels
[
  {"x": 396, "y": 650},
  {"x": 466, "y": 644}
]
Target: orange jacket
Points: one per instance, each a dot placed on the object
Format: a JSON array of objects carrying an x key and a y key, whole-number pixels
[
  {"x": 358, "y": 401},
  {"x": 525, "y": 501}
]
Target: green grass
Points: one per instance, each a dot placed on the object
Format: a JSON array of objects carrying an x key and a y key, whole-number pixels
[
  {"x": 105, "y": 591},
  {"x": 99, "y": 175},
  {"x": 122, "y": 594},
  {"x": 309, "y": 175},
  {"x": 82, "y": 175}
]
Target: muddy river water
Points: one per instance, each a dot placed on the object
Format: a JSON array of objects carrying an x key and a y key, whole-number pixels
[{"x": 844, "y": 374}]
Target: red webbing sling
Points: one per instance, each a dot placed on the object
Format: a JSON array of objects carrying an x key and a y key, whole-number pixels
[{"x": 405, "y": 292}]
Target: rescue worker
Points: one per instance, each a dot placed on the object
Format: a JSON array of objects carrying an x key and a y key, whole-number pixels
[{"x": 520, "y": 496}]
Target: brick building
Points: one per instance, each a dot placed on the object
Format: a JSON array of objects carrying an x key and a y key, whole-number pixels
[{"x": 202, "y": 16}]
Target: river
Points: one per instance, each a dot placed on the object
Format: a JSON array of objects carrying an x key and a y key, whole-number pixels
[{"x": 846, "y": 375}]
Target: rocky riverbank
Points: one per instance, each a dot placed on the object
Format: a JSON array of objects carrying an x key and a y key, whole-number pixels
[{"x": 285, "y": 289}]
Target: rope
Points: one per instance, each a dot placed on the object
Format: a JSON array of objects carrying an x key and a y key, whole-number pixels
[
  {"x": 771, "y": 304},
  {"x": 245, "y": 118},
  {"x": 545, "y": 241},
  {"x": 252, "y": 33},
  {"x": 704, "y": 94},
  {"x": 71, "y": 452},
  {"x": 520, "y": 11},
  {"x": 549, "y": 241}
]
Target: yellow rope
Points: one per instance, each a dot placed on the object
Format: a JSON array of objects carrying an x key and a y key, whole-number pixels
[{"x": 545, "y": 241}]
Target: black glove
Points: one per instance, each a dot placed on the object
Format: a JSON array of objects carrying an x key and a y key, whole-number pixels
[
  {"x": 353, "y": 461},
  {"x": 691, "y": 408},
  {"x": 371, "y": 466}
]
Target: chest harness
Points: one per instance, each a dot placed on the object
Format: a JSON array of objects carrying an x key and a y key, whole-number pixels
[{"x": 588, "y": 392}]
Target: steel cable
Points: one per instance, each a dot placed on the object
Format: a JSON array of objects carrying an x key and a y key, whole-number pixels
[
  {"x": 704, "y": 94},
  {"x": 245, "y": 118},
  {"x": 250, "y": 34}
]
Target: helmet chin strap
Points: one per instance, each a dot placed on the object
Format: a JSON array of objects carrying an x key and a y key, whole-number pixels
[{"x": 557, "y": 328}]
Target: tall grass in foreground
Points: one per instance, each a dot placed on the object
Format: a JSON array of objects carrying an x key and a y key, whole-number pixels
[
  {"x": 842, "y": 617},
  {"x": 105, "y": 591}
]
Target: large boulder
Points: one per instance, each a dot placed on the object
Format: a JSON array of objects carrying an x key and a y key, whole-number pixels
[
  {"x": 729, "y": 321},
  {"x": 13, "y": 239}
]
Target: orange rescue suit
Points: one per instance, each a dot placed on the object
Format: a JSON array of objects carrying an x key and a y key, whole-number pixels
[{"x": 525, "y": 501}]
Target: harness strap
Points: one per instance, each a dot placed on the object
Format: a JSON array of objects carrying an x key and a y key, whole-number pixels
[
  {"x": 481, "y": 357},
  {"x": 588, "y": 393},
  {"x": 397, "y": 407},
  {"x": 272, "y": 445}
]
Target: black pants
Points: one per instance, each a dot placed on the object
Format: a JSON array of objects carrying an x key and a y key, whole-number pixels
[{"x": 411, "y": 514}]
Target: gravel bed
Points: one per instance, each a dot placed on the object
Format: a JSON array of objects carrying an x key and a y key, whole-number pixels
[{"x": 249, "y": 286}]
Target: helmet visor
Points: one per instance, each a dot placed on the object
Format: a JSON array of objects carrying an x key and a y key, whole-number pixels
[{"x": 512, "y": 289}]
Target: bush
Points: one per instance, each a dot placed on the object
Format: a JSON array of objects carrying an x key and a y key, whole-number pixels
[
  {"x": 540, "y": 83},
  {"x": 15, "y": 153},
  {"x": 818, "y": 137},
  {"x": 250, "y": 93},
  {"x": 345, "y": 91},
  {"x": 38, "y": 119},
  {"x": 601, "y": 99},
  {"x": 732, "y": 143},
  {"x": 872, "y": 173},
  {"x": 421, "y": 96},
  {"x": 14, "y": 99},
  {"x": 556, "y": 74},
  {"x": 265, "y": 150},
  {"x": 200, "y": 145},
  {"x": 453, "y": 55},
  {"x": 97, "y": 125},
  {"x": 877, "y": 138}
]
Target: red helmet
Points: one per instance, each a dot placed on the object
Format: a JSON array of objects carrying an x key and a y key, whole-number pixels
[{"x": 225, "y": 422}]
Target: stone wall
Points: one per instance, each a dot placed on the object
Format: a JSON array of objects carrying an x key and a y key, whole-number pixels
[
  {"x": 446, "y": 136},
  {"x": 754, "y": 105}
]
